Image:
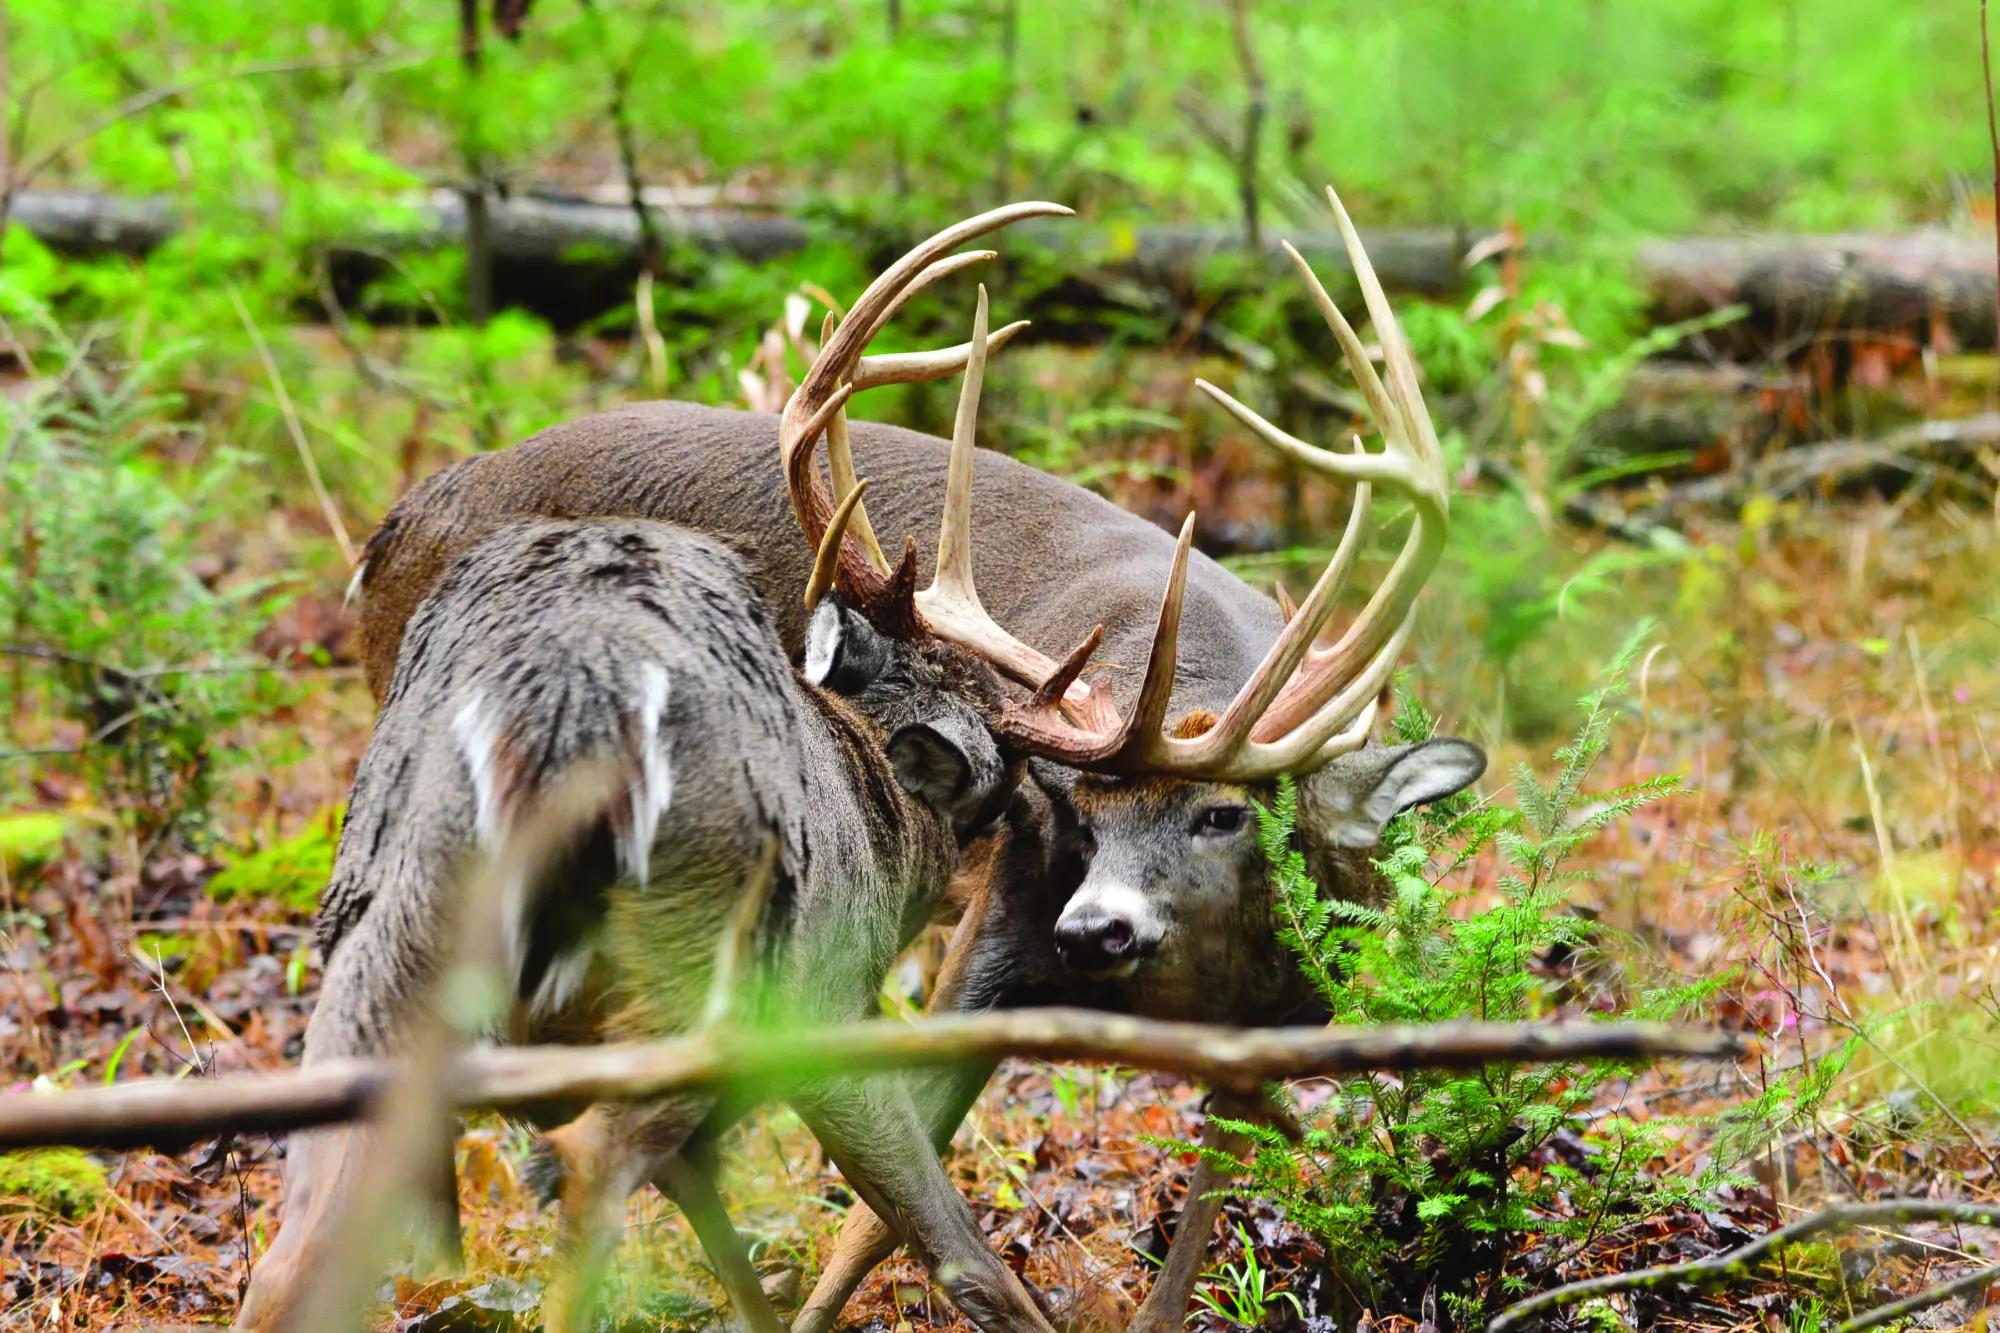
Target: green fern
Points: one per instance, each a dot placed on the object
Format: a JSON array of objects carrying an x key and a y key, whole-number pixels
[{"x": 1425, "y": 1181}]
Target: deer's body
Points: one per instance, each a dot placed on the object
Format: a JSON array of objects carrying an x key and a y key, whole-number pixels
[
  {"x": 1136, "y": 836},
  {"x": 695, "y": 465},
  {"x": 551, "y": 646}
]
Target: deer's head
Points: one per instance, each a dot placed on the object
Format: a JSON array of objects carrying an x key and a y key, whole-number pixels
[{"x": 1159, "y": 841}]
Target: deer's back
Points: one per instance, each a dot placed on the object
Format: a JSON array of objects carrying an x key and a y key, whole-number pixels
[{"x": 1052, "y": 559}]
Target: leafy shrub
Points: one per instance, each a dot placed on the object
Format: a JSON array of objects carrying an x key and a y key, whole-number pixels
[
  {"x": 106, "y": 614},
  {"x": 1424, "y": 1181},
  {"x": 29, "y": 838},
  {"x": 291, "y": 871}
]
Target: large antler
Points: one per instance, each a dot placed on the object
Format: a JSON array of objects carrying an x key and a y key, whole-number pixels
[
  {"x": 1303, "y": 705},
  {"x": 847, "y": 555}
]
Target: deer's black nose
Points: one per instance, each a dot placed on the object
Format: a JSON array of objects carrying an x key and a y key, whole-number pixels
[{"x": 1092, "y": 940}]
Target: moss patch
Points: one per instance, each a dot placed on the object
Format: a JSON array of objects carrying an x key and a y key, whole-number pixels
[
  {"x": 291, "y": 872},
  {"x": 29, "y": 837},
  {"x": 60, "y": 1182}
]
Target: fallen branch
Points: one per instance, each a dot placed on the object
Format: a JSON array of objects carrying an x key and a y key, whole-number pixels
[
  {"x": 1734, "y": 1265},
  {"x": 518, "y": 1079},
  {"x": 1912, "y": 451},
  {"x": 1923, "y": 1300}
]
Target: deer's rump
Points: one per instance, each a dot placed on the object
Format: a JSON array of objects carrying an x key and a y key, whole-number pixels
[
  {"x": 545, "y": 651},
  {"x": 1052, "y": 559}
]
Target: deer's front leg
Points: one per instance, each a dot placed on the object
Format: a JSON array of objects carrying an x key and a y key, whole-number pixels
[
  {"x": 1166, "y": 1305},
  {"x": 942, "y": 1099},
  {"x": 589, "y": 1166},
  {"x": 873, "y": 1133}
]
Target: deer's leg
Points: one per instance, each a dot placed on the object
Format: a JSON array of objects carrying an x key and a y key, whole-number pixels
[
  {"x": 316, "y": 1161},
  {"x": 691, "y": 1184},
  {"x": 360, "y": 1001},
  {"x": 942, "y": 1098},
  {"x": 1166, "y": 1305},
  {"x": 873, "y": 1133},
  {"x": 590, "y": 1166}
]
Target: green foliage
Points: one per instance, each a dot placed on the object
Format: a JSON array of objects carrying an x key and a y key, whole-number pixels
[
  {"x": 54, "y": 1182},
  {"x": 291, "y": 871},
  {"x": 29, "y": 838},
  {"x": 106, "y": 611},
  {"x": 1243, "y": 1293},
  {"x": 1425, "y": 1179}
]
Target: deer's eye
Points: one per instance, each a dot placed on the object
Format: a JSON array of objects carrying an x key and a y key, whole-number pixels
[{"x": 1220, "y": 821}]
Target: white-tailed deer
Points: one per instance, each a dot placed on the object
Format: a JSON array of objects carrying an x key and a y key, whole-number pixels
[
  {"x": 555, "y": 644},
  {"x": 1131, "y": 861},
  {"x": 817, "y": 814}
]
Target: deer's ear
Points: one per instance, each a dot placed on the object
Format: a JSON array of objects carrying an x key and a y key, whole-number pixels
[
  {"x": 929, "y": 765},
  {"x": 952, "y": 765},
  {"x": 1348, "y": 802},
  {"x": 843, "y": 651}
]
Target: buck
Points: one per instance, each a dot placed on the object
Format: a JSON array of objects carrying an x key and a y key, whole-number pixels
[
  {"x": 1131, "y": 859},
  {"x": 846, "y": 789}
]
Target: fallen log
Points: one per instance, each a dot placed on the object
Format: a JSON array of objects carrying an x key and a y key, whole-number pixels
[
  {"x": 570, "y": 260},
  {"x": 1931, "y": 286},
  {"x": 171, "y": 1112},
  {"x": 1915, "y": 452}
]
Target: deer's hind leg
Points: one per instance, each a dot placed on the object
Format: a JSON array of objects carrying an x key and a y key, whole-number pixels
[
  {"x": 361, "y": 1011},
  {"x": 590, "y": 1166},
  {"x": 690, "y": 1182}
]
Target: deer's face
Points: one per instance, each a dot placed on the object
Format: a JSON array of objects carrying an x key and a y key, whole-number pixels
[
  {"x": 1165, "y": 861},
  {"x": 1174, "y": 896}
]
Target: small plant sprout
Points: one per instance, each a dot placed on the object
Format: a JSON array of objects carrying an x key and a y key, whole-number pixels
[{"x": 1243, "y": 1293}]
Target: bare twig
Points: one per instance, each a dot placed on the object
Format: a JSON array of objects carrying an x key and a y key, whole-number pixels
[
  {"x": 1249, "y": 146},
  {"x": 133, "y": 1114},
  {"x": 1718, "y": 1269},
  {"x": 1993, "y": 138},
  {"x": 1923, "y": 1300},
  {"x": 475, "y": 192},
  {"x": 1010, "y": 53},
  {"x": 652, "y": 248}
]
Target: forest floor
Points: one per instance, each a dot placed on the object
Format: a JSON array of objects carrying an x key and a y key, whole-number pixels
[{"x": 1826, "y": 678}]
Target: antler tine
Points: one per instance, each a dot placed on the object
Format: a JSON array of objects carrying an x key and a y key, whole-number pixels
[
  {"x": 831, "y": 379},
  {"x": 1104, "y": 741},
  {"x": 950, "y": 606},
  {"x": 1407, "y": 430},
  {"x": 924, "y": 281},
  {"x": 840, "y": 466},
  {"x": 1303, "y": 705},
  {"x": 1421, "y": 436},
  {"x": 1293, "y": 647},
  {"x": 1149, "y": 710},
  {"x": 1330, "y": 731},
  {"x": 922, "y": 367},
  {"x": 880, "y": 300},
  {"x": 826, "y": 559}
]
